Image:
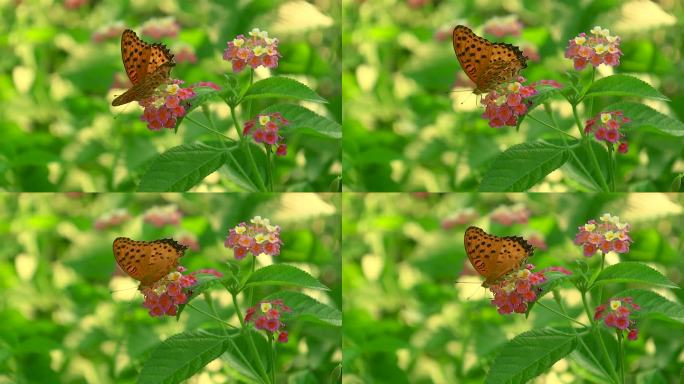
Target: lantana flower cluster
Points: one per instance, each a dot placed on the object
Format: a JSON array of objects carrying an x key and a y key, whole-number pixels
[
  {"x": 515, "y": 290},
  {"x": 161, "y": 216},
  {"x": 609, "y": 234},
  {"x": 504, "y": 105},
  {"x": 597, "y": 48},
  {"x": 256, "y": 50},
  {"x": 502, "y": 26},
  {"x": 266, "y": 317},
  {"x": 258, "y": 238},
  {"x": 606, "y": 127},
  {"x": 111, "y": 219},
  {"x": 169, "y": 103},
  {"x": 616, "y": 313},
  {"x": 164, "y": 296},
  {"x": 264, "y": 129},
  {"x": 509, "y": 215}
]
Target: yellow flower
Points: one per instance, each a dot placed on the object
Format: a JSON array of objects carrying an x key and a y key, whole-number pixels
[
  {"x": 600, "y": 48},
  {"x": 272, "y": 238},
  {"x": 174, "y": 276},
  {"x": 260, "y": 238},
  {"x": 615, "y": 304},
  {"x": 270, "y": 40},
  {"x": 508, "y": 288},
  {"x": 240, "y": 230},
  {"x": 257, "y": 219},
  {"x": 265, "y": 307},
  {"x": 255, "y": 32},
  {"x": 172, "y": 89},
  {"x": 514, "y": 87},
  {"x": 612, "y": 49},
  {"x": 605, "y": 216},
  {"x": 589, "y": 227},
  {"x": 238, "y": 42},
  {"x": 271, "y": 228},
  {"x": 596, "y": 30},
  {"x": 263, "y": 119},
  {"x": 605, "y": 117},
  {"x": 259, "y": 50},
  {"x": 263, "y": 254},
  {"x": 610, "y": 235},
  {"x": 263, "y": 34},
  {"x": 580, "y": 40},
  {"x": 611, "y": 39}
]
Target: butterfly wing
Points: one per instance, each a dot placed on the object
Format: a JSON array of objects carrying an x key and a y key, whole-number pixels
[
  {"x": 146, "y": 87},
  {"x": 164, "y": 255},
  {"x": 494, "y": 256},
  {"x": 147, "y": 66},
  {"x": 132, "y": 256},
  {"x": 486, "y": 64}
]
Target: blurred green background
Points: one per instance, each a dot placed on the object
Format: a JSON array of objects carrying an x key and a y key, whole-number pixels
[
  {"x": 408, "y": 128},
  {"x": 61, "y": 322},
  {"x": 60, "y": 59},
  {"x": 407, "y": 321}
]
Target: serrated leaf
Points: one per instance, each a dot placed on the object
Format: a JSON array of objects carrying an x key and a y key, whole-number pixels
[
  {"x": 308, "y": 308},
  {"x": 623, "y": 85},
  {"x": 301, "y": 118},
  {"x": 181, "y": 356},
  {"x": 653, "y": 304},
  {"x": 644, "y": 116},
  {"x": 530, "y": 354},
  {"x": 182, "y": 167},
  {"x": 282, "y": 87},
  {"x": 633, "y": 272},
  {"x": 283, "y": 274},
  {"x": 522, "y": 166}
]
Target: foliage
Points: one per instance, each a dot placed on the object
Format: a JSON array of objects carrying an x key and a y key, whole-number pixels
[
  {"x": 70, "y": 316},
  {"x": 414, "y": 312}
]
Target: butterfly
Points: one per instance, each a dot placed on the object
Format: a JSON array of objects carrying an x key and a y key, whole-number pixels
[
  {"x": 147, "y": 261},
  {"x": 486, "y": 64},
  {"x": 147, "y": 65},
  {"x": 494, "y": 256}
]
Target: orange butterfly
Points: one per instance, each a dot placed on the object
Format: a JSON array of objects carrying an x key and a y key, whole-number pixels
[
  {"x": 147, "y": 261},
  {"x": 147, "y": 65},
  {"x": 494, "y": 256},
  {"x": 486, "y": 64}
]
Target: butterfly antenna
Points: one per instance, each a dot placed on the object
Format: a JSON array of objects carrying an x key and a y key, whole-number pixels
[{"x": 121, "y": 290}]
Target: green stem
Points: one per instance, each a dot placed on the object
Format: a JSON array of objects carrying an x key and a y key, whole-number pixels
[
  {"x": 210, "y": 303},
  {"x": 250, "y": 341},
  {"x": 621, "y": 355},
  {"x": 597, "y": 333},
  {"x": 255, "y": 169},
  {"x": 550, "y": 126},
  {"x": 187, "y": 117},
  {"x": 590, "y": 149},
  {"x": 273, "y": 357},
  {"x": 250, "y": 292},
  {"x": 269, "y": 167},
  {"x": 241, "y": 170},
  {"x": 561, "y": 314},
  {"x": 220, "y": 320},
  {"x": 591, "y": 101}
]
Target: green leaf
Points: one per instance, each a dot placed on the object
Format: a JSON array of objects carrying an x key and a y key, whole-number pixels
[
  {"x": 623, "y": 85},
  {"x": 303, "y": 119},
  {"x": 530, "y": 354},
  {"x": 181, "y": 356},
  {"x": 652, "y": 304},
  {"x": 238, "y": 168},
  {"x": 307, "y": 308},
  {"x": 589, "y": 358},
  {"x": 553, "y": 279},
  {"x": 544, "y": 92},
  {"x": 204, "y": 282},
  {"x": 282, "y": 87},
  {"x": 181, "y": 168},
  {"x": 522, "y": 166},
  {"x": 644, "y": 116},
  {"x": 283, "y": 274},
  {"x": 633, "y": 272}
]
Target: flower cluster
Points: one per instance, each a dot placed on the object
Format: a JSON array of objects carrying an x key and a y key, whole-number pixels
[
  {"x": 516, "y": 290},
  {"x": 264, "y": 129},
  {"x": 164, "y": 296},
  {"x": 606, "y": 127},
  {"x": 616, "y": 314},
  {"x": 509, "y": 215},
  {"x": 608, "y": 235},
  {"x": 537, "y": 241},
  {"x": 185, "y": 54},
  {"x": 503, "y": 106},
  {"x": 108, "y": 31},
  {"x": 503, "y": 26},
  {"x": 111, "y": 219},
  {"x": 169, "y": 103},
  {"x": 266, "y": 316},
  {"x": 257, "y": 238},
  {"x": 161, "y": 216},
  {"x": 190, "y": 241},
  {"x": 161, "y": 27},
  {"x": 256, "y": 50},
  {"x": 461, "y": 217},
  {"x": 598, "y": 48}
]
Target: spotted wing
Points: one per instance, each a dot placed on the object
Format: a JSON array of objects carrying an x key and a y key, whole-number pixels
[
  {"x": 132, "y": 256},
  {"x": 146, "y": 87},
  {"x": 494, "y": 256},
  {"x": 164, "y": 255}
]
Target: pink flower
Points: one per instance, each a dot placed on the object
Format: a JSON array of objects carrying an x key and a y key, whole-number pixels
[
  {"x": 282, "y": 337},
  {"x": 615, "y": 314},
  {"x": 597, "y": 48},
  {"x": 256, "y": 50},
  {"x": 504, "y": 105},
  {"x": 266, "y": 316},
  {"x": 258, "y": 237},
  {"x": 607, "y": 235},
  {"x": 264, "y": 129},
  {"x": 513, "y": 292},
  {"x": 173, "y": 292}
]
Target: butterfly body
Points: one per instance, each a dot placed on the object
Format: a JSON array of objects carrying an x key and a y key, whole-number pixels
[
  {"x": 487, "y": 64},
  {"x": 147, "y": 261},
  {"x": 493, "y": 257},
  {"x": 147, "y": 65}
]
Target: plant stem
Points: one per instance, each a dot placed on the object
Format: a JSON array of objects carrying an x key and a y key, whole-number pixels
[
  {"x": 187, "y": 117},
  {"x": 589, "y": 149},
  {"x": 621, "y": 354},
  {"x": 561, "y": 314},
  {"x": 273, "y": 357},
  {"x": 591, "y": 101},
  {"x": 259, "y": 179},
  {"x": 220, "y": 320},
  {"x": 250, "y": 341},
  {"x": 550, "y": 126},
  {"x": 597, "y": 332},
  {"x": 250, "y": 292},
  {"x": 269, "y": 168}
]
